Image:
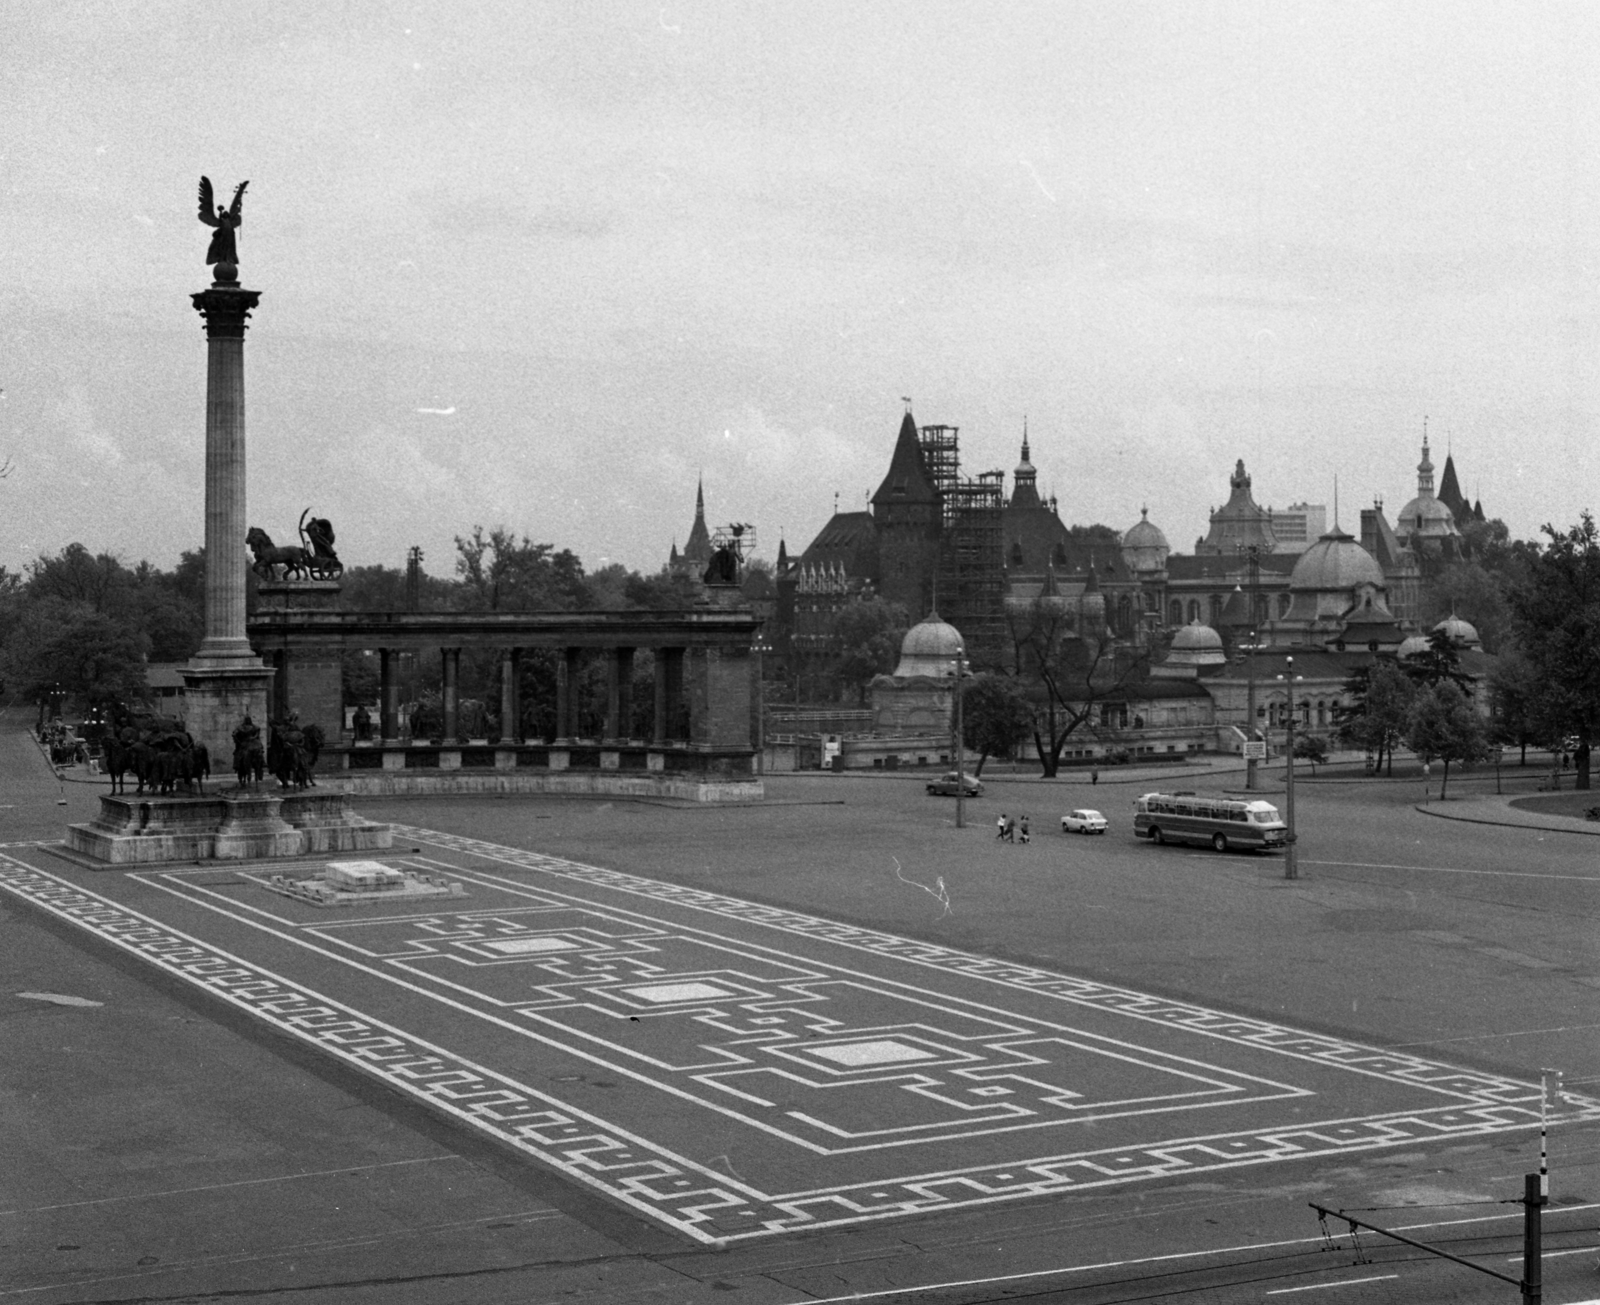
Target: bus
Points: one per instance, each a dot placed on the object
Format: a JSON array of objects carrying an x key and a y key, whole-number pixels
[{"x": 1223, "y": 821}]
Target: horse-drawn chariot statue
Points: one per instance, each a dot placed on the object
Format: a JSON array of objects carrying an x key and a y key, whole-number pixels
[{"x": 312, "y": 558}]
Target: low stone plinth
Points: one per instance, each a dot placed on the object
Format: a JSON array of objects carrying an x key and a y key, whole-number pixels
[
  {"x": 325, "y": 823},
  {"x": 153, "y": 829}
]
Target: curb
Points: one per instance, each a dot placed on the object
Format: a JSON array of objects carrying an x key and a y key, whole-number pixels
[{"x": 1573, "y": 828}]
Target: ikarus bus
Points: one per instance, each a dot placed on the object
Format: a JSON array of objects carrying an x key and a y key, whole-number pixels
[{"x": 1222, "y": 821}]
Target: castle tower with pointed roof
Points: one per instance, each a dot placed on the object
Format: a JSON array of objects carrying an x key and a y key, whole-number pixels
[
  {"x": 1240, "y": 524},
  {"x": 906, "y": 513},
  {"x": 696, "y": 554}
]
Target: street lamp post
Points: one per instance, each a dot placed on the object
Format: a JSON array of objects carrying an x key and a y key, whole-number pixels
[
  {"x": 1291, "y": 864},
  {"x": 1253, "y": 555},
  {"x": 958, "y": 747}
]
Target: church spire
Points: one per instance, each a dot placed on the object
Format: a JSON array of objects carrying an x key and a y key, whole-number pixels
[{"x": 1425, "y": 467}]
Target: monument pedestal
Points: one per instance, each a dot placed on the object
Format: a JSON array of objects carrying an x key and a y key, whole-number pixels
[
  {"x": 217, "y": 698},
  {"x": 242, "y": 826}
]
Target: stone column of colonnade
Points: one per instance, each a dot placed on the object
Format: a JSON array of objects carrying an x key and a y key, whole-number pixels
[{"x": 224, "y": 681}]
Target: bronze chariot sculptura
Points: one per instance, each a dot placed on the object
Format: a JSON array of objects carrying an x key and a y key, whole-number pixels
[{"x": 312, "y": 558}]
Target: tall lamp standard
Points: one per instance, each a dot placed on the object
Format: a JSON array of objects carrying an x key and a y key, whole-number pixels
[
  {"x": 958, "y": 744},
  {"x": 1291, "y": 863},
  {"x": 1253, "y": 561}
]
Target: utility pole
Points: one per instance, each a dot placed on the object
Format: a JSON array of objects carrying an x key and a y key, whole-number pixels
[{"x": 1291, "y": 864}]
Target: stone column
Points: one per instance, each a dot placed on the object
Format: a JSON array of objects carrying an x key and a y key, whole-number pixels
[
  {"x": 624, "y": 669},
  {"x": 450, "y": 692},
  {"x": 224, "y": 681},
  {"x": 566, "y": 695},
  {"x": 388, "y": 695},
  {"x": 614, "y": 730},
  {"x": 511, "y": 696}
]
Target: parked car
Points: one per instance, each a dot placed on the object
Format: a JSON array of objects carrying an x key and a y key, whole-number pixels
[
  {"x": 947, "y": 784},
  {"x": 1084, "y": 821}
]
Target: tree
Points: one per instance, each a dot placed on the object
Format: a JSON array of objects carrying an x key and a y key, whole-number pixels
[
  {"x": 1519, "y": 713},
  {"x": 995, "y": 717},
  {"x": 68, "y": 646},
  {"x": 1445, "y": 726},
  {"x": 1556, "y": 616},
  {"x": 1069, "y": 677},
  {"x": 1380, "y": 707},
  {"x": 867, "y": 636},
  {"x": 1438, "y": 662},
  {"x": 1312, "y": 749},
  {"x": 502, "y": 573},
  {"x": 1476, "y": 594}
]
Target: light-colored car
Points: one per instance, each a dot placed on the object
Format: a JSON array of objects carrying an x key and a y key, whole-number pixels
[
  {"x": 1083, "y": 822},
  {"x": 945, "y": 785}
]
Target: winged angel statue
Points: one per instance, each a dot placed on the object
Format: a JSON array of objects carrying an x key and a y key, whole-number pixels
[{"x": 224, "y": 248}]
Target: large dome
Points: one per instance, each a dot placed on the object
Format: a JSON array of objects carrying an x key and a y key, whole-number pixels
[
  {"x": 931, "y": 647},
  {"x": 1336, "y": 561}
]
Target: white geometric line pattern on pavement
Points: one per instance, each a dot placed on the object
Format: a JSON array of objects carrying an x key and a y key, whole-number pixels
[
  {"x": 710, "y": 1207},
  {"x": 1392, "y": 1065}
]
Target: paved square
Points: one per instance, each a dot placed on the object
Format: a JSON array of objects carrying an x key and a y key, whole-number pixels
[{"x": 735, "y": 1070}]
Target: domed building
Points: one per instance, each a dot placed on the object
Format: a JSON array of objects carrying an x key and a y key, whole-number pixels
[
  {"x": 913, "y": 709},
  {"x": 1337, "y": 597}
]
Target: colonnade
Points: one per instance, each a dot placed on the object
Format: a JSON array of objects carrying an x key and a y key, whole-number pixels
[{"x": 619, "y": 713}]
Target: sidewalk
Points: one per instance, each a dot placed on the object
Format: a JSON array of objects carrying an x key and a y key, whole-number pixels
[{"x": 1496, "y": 809}]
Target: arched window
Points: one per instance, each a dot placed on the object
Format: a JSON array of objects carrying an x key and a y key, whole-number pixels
[
  {"x": 1194, "y": 610},
  {"x": 1175, "y": 613},
  {"x": 1216, "y": 610},
  {"x": 1322, "y": 712},
  {"x": 1016, "y": 553},
  {"x": 1283, "y": 604},
  {"x": 1125, "y": 614}
]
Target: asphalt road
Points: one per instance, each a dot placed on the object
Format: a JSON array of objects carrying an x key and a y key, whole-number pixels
[{"x": 159, "y": 1149}]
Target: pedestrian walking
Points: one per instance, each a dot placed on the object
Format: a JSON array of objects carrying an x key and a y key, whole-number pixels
[
  {"x": 1000, "y": 825},
  {"x": 1094, "y": 774},
  {"x": 1026, "y": 837}
]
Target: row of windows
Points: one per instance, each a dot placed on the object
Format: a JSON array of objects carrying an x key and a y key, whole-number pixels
[{"x": 1210, "y": 612}]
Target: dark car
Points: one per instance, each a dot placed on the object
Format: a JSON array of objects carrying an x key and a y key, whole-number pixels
[{"x": 947, "y": 784}]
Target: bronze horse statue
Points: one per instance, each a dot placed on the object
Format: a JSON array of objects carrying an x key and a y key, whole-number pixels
[{"x": 294, "y": 560}]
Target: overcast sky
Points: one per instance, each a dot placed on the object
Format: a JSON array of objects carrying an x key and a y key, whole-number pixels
[{"x": 542, "y": 265}]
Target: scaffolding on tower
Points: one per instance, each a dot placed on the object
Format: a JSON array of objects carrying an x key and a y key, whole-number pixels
[{"x": 970, "y": 591}]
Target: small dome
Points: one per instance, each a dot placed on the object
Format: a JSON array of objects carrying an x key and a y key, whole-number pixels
[
  {"x": 1196, "y": 645},
  {"x": 931, "y": 647},
  {"x": 1144, "y": 547},
  {"x": 1461, "y": 633},
  {"x": 1427, "y": 515},
  {"x": 1336, "y": 562},
  {"x": 1195, "y": 637},
  {"x": 1144, "y": 533},
  {"x": 1410, "y": 647}
]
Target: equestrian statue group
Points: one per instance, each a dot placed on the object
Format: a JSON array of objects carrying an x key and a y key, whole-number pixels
[
  {"x": 289, "y": 756},
  {"x": 156, "y": 750},
  {"x": 312, "y": 558}
]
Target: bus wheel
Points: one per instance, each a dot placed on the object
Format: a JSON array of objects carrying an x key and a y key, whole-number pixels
[
  {"x": 1220, "y": 842},
  {"x": 1155, "y": 836}
]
